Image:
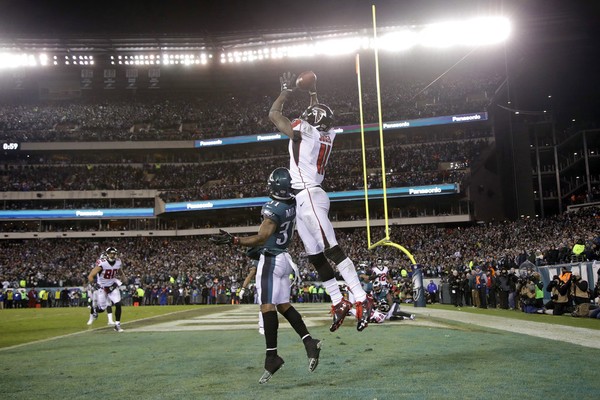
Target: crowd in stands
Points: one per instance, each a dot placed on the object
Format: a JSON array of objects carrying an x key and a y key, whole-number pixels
[
  {"x": 410, "y": 165},
  {"x": 192, "y": 262},
  {"x": 173, "y": 117}
]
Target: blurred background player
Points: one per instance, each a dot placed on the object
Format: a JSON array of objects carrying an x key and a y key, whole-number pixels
[
  {"x": 382, "y": 310},
  {"x": 274, "y": 268},
  {"x": 106, "y": 272},
  {"x": 311, "y": 142},
  {"x": 93, "y": 300},
  {"x": 380, "y": 275}
]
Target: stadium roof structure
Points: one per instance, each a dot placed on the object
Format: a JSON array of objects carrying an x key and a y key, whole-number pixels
[{"x": 96, "y": 44}]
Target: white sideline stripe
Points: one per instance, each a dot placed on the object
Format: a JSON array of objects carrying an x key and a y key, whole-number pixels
[{"x": 237, "y": 319}]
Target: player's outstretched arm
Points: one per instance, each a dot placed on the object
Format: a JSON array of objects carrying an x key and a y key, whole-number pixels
[{"x": 276, "y": 116}]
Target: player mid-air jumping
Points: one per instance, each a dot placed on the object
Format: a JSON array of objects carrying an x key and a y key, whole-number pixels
[{"x": 311, "y": 142}]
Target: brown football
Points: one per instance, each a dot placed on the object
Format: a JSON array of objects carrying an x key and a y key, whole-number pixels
[{"x": 306, "y": 80}]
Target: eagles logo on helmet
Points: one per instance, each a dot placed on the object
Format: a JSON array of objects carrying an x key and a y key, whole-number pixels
[
  {"x": 320, "y": 116},
  {"x": 280, "y": 184}
]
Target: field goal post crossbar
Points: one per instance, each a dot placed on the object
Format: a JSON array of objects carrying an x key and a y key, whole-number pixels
[{"x": 386, "y": 241}]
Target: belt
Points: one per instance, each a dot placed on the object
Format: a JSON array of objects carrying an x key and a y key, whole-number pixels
[{"x": 296, "y": 191}]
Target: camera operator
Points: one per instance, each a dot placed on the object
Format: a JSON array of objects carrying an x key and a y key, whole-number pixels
[
  {"x": 579, "y": 290},
  {"x": 559, "y": 303}
]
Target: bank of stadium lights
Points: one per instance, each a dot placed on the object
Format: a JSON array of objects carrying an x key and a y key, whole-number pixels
[
  {"x": 161, "y": 59},
  {"x": 19, "y": 60},
  {"x": 75, "y": 60},
  {"x": 475, "y": 32}
]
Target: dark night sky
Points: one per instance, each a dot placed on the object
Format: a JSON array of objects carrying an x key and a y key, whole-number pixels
[{"x": 556, "y": 39}]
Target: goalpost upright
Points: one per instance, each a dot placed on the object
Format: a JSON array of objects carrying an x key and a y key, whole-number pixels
[{"x": 386, "y": 241}]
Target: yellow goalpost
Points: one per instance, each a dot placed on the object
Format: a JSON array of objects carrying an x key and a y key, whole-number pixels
[{"x": 386, "y": 241}]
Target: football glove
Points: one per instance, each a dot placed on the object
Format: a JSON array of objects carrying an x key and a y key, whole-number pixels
[
  {"x": 224, "y": 237},
  {"x": 288, "y": 82}
]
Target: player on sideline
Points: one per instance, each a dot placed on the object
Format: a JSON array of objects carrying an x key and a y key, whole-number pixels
[
  {"x": 311, "y": 141},
  {"x": 106, "y": 271},
  {"x": 274, "y": 268}
]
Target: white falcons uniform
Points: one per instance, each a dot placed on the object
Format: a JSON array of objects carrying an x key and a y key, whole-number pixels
[
  {"x": 108, "y": 282},
  {"x": 309, "y": 156},
  {"x": 381, "y": 273},
  {"x": 309, "y": 152}
]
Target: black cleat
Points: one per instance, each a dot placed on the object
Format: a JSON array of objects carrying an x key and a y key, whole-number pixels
[
  {"x": 313, "y": 349},
  {"x": 272, "y": 365}
]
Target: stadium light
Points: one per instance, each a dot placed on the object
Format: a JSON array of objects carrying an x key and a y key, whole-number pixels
[
  {"x": 473, "y": 32},
  {"x": 19, "y": 60}
]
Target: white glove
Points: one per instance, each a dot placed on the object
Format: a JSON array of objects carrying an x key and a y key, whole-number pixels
[
  {"x": 297, "y": 280},
  {"x": 241, "y": 294}
]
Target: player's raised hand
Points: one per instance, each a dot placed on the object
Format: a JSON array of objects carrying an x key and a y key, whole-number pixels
[
  {"x": 288, "y": 82},
  {"x": 223, "y": 237}
]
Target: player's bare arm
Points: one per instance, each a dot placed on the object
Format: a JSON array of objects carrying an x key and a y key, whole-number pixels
[
  {"x": 276, "y": 116},
  {"x": 93, "y": 274},
  {"x": 266, "y": 229},
  {"x": 249, "y": 277}
]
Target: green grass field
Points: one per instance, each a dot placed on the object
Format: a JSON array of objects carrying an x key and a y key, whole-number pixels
[{"x": 215, "y": 352}]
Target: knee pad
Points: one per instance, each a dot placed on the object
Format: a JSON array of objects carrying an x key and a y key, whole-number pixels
[
  {"x": 322, "y": 265},
  {"x": 335, "y": 254}
]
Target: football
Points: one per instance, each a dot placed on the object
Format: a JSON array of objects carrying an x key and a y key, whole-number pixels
[{"x": 306, "y": 80}]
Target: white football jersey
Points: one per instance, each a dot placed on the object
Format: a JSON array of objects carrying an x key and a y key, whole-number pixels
[
  {"x": 309, "y": 154},
  {"x": 381, "y": 272},
  {"x": 108, "y": 275}
]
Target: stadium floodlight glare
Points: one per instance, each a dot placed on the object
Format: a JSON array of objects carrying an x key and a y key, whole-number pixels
[
  {"x": 397, "y": 41},
  {"x": 474, "y": 32},
  {"x": 13, "y": 60}
]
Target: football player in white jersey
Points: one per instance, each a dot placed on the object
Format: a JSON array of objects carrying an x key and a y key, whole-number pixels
[
  {"x": 106, "y": 272},
  {"x": 311, "y": 141},
  {"x": 381, "y": 273},
  {"x": 93, "y": 300}
]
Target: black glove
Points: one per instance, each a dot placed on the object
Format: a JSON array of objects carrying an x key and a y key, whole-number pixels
[
  {"x": 224, "y": 237},
  {"x": 288, "y": 82}
]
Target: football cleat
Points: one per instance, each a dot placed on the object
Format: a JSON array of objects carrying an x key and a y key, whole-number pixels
[
  {"x": 412, "y": 317},
  {"x": 118, "y": 328},
  {"x": 272, "y": 365},
  {"x": 93, "y": 317},
  {"x": 313, "y": 349},
  {"x": 339, "y": 312},
  {"x": 363, "y": 312},
  {"x": 111, "y": 323}
]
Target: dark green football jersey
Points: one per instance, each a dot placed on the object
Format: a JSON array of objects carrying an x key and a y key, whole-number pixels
[{"x": 284, "y": 215}]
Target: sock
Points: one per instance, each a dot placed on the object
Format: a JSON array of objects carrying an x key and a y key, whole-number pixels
[
  {"x": 271, "y": 327},
  {"x": 349, "y": 274},
  {"x": 295, "y": 320},
  {"x": 110, "y": 318},
  {"x": 333, "y": 289},
  {"x": 118, "y": 313}
]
